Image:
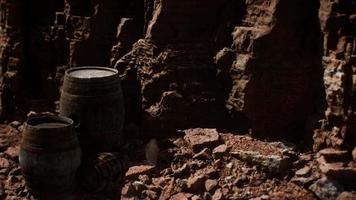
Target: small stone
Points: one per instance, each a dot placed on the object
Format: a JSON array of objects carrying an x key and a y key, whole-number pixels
[
  {"x": 354, "y": 154},
  {"x": 207, "y": 195},
  {"x": 179, "y": 196},
  {"x": 338, "y": 171},
  {"x": 15, "y": 124},
  {"x": 217, "y": 195},
  {"x": 3, "y": 145},
  {"x": 180, "y": 142},
  {"x": 13, "y": 152},
  {"x": 135, "y": 171},
  {"x": 240, "y": 181},
  {"x": 154, "y": 188},
  {"x": 326, "y": 189},
  {"x": 128, "y": 192},
  {"x": 144, "y": 179},
  {"x": 275, "y": 164},
  {"x": 21, "y": 128},
  {"x": 151, "y": 194},
  {"x": 166, "y": 172},
  {"x": 229, "y": 179},
  {"x": 264, "y": 197},
  {"x": 303, "y": 181},
  {"x": 181, "y": 185},
  {"x": 304, "y": 171},
  {"x": 229, "y": 165},
  {"x": 181, "y": 171},
  {"x": 161, "y": 181},
  {"x": 201, "y": 138},
  {"x": 220, "y": 150},
  {"x": 210, "y": 184},
  {"x": 205, "y": 154},
  {"x": 168, "y": 190},
  {"x": 196, "y": 183},
  {"x": 15, "y": 171},
  {"x": 306, "y": 157},
  {"x": 4, "y": 163},
  {"x": 334, "y": 155},
  {"x": 347, "y": 196},
  {"x": 195, "y": 197},
  {"x": 139, "y": 186}
]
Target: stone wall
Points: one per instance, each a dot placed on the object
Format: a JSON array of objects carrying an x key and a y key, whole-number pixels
[
  {"x": 338, "y": 22},
  {"x": 276, "y": 67},
  {"x": 28, "y": 55}
]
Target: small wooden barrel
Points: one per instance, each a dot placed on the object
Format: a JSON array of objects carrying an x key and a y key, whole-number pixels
[
  {"x": 92, "y": 97},
  {"x": 50, "y": 156},
  {"x": 102, "y": 174}
]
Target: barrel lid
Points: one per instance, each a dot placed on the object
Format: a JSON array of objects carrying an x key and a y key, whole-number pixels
[
  {"x": 49, "y": 122},
  {"x": 91, "y": 72}
]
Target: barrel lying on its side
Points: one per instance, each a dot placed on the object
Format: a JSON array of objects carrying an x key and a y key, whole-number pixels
[
  {"x": 92, "y": 97},
  {"x": 102, "y": 173},
  {"x": 50, "y": 156}
]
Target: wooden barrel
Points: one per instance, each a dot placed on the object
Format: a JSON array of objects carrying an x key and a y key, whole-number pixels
[
  {"x": 92, "y": 97},
  {"x": 49, "y": 156},
  {"x": 103, "y": 173}
]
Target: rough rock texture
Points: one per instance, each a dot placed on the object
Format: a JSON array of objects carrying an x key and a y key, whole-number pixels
[
  {"x": 269, "y": 83},
  {"x": 337, "y": 20},
  {"x": 347, "y": 196},
  {"x": 180, "y": 174},
  {"x": 173, "y": 68},
  {"x": 29, "y": 55},
  {"x": 274, "y": 66},
  {"x": 39, "y": 39},
  {"x": 92, "y": 27},
  {"x": 326, "y": 189}
]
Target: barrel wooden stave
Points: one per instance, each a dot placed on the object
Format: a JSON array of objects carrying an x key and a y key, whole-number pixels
[
  {"x": 102, "y": 174},
  {"x": 49, "y": 158},
  {"x": 96, "y": 105}
]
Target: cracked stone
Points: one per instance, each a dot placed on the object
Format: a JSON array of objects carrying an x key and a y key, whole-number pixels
[
  {"x": 201, "y": 138},
  {"x": 326, "y": 189},
  {"x": 210, "y": 184}
]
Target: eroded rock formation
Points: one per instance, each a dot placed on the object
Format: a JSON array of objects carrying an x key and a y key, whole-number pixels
[
  {"x": 337, "y": 19},
  {"x": 273, "y": 66}
]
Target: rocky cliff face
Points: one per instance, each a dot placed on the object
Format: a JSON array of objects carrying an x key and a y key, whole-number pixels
[
  {"x": 28, "y": 55},
  {"x": 276, "y": 66},
  {"x": 338, "y": 24}
]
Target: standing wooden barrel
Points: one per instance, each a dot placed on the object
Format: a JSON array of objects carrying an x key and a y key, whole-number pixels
[
  {"x": 92, "y": 97},
  {"x": 50, "y": 156},
  {"x": 103, "y": 173}
]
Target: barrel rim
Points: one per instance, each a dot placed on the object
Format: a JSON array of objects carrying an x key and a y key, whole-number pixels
[
  {"x": 68, "y": 71},
  {"x": 67, "y": 122}
]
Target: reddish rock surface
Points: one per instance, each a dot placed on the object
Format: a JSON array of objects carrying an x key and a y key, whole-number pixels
[
  {"x": 179, "y": 174},
  {"x": 235, "y": 64},
  {"x": 135, "y": 171},
  {"x": 347, "y": 196},
  {"x": 200, "y": 138},
  {"x": 278, "y": 69}
]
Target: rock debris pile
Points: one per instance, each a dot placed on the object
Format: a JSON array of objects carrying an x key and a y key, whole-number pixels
[{"x": 206, "y": 164}]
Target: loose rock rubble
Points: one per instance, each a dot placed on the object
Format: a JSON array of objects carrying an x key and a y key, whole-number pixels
[{"x": 206, "y": 164}]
